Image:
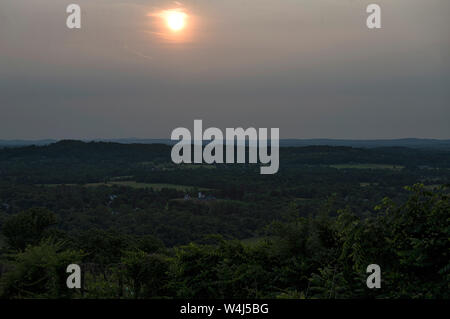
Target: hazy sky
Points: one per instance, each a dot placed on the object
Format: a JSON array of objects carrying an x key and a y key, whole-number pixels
[{"x": 308, "y": 67}]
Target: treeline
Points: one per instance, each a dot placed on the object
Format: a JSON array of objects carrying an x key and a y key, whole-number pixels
[
  {"x": 322, "y": 256},
  {"x": 132, "y": 220},
  {"x": 97, "y": 161},
  {"x": 163, "y": 213}
]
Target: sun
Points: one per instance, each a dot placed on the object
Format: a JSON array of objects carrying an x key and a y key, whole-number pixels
[{"x": 176, "y": 20}]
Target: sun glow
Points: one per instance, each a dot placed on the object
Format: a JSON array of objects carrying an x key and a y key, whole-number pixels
[
  {"x": 176, "y": 20},
  {"x": 174, "y": 25}
]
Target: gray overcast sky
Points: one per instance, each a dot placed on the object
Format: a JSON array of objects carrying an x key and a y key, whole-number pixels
[{"x": 309, "y": 67}]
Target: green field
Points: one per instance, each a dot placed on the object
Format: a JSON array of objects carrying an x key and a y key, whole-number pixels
[
  {"x": 155, "y": 186},
  {"x": 172, "y": 166},
  {"x": 367, "y": 166},
  {"x": 136, "y": 185}
]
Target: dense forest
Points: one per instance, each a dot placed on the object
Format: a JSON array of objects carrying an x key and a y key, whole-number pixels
[{"x": 142, "y": 227}]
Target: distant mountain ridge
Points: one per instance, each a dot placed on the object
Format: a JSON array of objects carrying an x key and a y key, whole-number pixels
[{"x": 404, "y": 142}]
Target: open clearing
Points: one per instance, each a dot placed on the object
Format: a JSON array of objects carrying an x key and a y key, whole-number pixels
[
  {"x": 155, "y": 186},
  {"x": 137, "y": 185},
  {"x": 367, "y": 166}
]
